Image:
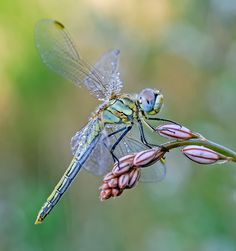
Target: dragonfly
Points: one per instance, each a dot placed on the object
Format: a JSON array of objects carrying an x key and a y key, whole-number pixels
[{"x": 107, "y": 136}]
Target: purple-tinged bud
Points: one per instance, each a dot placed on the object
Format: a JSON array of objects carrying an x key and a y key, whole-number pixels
[
  {"x": 108, "y": 176},
  {"x": 113, "y": 183},
  {"x": 148, "y": 157},
  {"x": 134, "y": 176},
  {"x": 201, "y": 154},
  {"x": 116, "y": 192},
  {"x": 105, "y": 194},
  {"x": 125, "y": 163},
  {"x": 123, "y": 181},
  {"x": 104, "y": 186},
  {"x": 173, "y": 131}
]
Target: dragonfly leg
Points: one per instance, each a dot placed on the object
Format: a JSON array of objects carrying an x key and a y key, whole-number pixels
[
  {"x": 115, "y": 159},
  {"x": 143, "y": 139},
  {"x": 125, "y": 131},
  {"x": 111, "y": 134},
  {"x": 117, "y": 131},
  {"x": 142, "y": 136},
  {"x": 160, "y": 119},
  {"x": 165, "y": 120}
]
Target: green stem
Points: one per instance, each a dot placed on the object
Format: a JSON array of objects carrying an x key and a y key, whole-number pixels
[{"x": 224, "y": 151}]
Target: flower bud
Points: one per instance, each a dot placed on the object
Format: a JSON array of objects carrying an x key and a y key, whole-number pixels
[
  {"x": 105, "y": 194},
  {"x": 123, "y": 181},
  {"x": 116, "y": 192},
  {"x": 201, "y": 154},
  {"x": 133, "y": 177},
  {"x": 148, "y": 157},
  {"x": 108, "y": 176},
  {"x": 124, "y": 164},
  {"x": 173, "y": 131},
  {"x": 113, "y": 183},
  {"x": 104, "y": 186}
]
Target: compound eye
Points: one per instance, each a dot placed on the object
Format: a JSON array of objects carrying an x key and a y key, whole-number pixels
[{"x": 147, "y": 100}]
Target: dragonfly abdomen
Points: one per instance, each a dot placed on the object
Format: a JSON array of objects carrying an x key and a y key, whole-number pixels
[{"x": 83, "y": 152}]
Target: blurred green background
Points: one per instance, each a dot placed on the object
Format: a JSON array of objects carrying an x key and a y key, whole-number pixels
[{"x": 187, "y": 49}]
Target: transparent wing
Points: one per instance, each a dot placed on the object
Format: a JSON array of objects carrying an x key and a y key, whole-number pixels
[
  {"x": 131, "y": 144},
  {"x": 59, "y": 53},
  {"x": 154, "y": 173},
  {"x": 107, "y": 66},
  {"x": 100, "y": 162},
  {"x": 100, "y": 159}
]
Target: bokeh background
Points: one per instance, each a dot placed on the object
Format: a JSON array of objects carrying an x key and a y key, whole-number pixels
[{"x": 187, "y": 49}]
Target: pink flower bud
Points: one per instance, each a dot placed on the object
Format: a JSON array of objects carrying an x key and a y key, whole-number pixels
[
  {"x": 125, "y": 163},
  {"x": 104, "y": 186},
  {"x": 133, "y": 177},
  {"x": 201, "y": 154},
  {"x": 148, "y": 157},
  {"x": 123, "y": 181},
  {"x": 173, "y": 131},
  {"x": 105, "y": 194},
  {"x": 113, "y": 183},
  {"x": 116, "y": 192},
  {"x": 108, "y": 176}
]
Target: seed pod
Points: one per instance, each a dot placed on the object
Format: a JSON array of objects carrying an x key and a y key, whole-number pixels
[
  {"x": 173, "y": 131},
  {"x": 124, "y": 164},
  {"x": 123, "y": 181},
  {"x": 148, "y": 157},
  {"x": 201, "y": 154},
  {"x": 133, "y": 177}
]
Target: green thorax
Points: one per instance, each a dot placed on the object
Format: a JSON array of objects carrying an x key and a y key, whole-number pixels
[{"x": 121, "y": 110}]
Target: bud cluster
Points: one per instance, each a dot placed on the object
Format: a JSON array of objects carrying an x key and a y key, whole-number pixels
[
  {"x": 126, "y": 173},
  {"x": 123, "y": 176}
]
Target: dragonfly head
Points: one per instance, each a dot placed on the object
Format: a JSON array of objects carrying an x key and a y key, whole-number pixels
[{"x": 150, "y": 101}]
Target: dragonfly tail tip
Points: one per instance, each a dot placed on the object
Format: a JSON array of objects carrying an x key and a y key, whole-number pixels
[{"x": 38, "y": 220}]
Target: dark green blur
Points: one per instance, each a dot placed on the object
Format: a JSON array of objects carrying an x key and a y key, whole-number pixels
[{"x": 187, "y": 49}]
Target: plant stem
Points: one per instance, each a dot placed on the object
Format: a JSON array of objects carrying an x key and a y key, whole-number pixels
[{"x": 224, "y": 151}]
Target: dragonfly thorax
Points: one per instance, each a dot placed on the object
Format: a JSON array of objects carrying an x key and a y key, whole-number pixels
[{"x": 150, "y": 101}]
